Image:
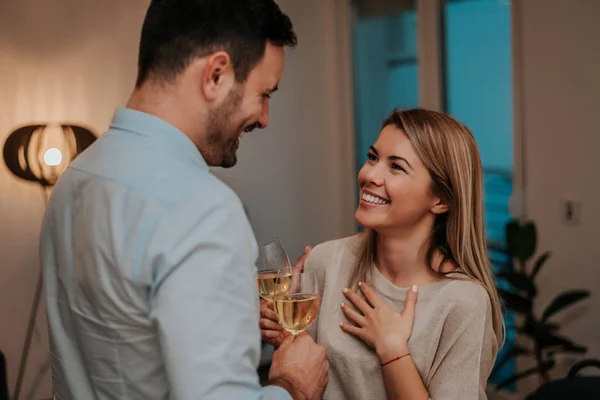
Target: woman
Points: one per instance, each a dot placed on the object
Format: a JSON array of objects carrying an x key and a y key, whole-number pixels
[{"x": 421, "y": 204}]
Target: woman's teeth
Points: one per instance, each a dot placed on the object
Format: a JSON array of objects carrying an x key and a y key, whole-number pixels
[{"x": 374, "y": 199}]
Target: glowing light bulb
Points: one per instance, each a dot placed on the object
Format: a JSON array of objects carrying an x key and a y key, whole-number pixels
[{"x": 53, "y": 157}]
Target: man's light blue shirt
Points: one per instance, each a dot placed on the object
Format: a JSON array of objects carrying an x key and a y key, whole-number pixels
[{"x": 149, "y": 273}]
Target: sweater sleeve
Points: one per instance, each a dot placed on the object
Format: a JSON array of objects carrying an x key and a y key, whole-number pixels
[{"x": 467, "y": 348}]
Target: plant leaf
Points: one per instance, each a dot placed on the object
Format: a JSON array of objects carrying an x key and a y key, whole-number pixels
[
  {"x": 514, "y": 352},
  {"x": 528, "y": 241},
  {"x": 520, "y": 281},
  {"x": 564, "y": 300},
  {"x": 515, "y": 301},
  {"x": 512, "y": 230},
  {"x": 577, "y": 350},
  {"x": 551, "y": 326},
  {"x": 539, "y": 263},
  {"x": 561, "y": 343},
  {"x": 538, "y": 330},
  {"x": 543, "y": 367},
  {"x": 543, "y": 334},
  {"x": 521, "y": 240}
]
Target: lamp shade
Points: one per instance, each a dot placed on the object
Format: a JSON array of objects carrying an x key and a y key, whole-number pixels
[{"x": 40, "y": 153}]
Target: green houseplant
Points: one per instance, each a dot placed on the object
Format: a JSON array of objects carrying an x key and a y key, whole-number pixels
[{"x": 518, "y": 290}]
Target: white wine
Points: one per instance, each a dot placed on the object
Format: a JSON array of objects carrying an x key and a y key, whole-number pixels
[
  {"x": 296, "y": 312},
  {"x": 269, "y": 285}
]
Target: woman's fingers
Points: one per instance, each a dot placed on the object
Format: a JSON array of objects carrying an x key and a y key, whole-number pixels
[
  {"x": 269, "y": 324},
  {"x": 266, "y": 311},
  {"x": 358, "y": 302},
  {"x": 353, "y": 315}
]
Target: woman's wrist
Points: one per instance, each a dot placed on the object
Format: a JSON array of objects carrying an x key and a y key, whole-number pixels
[{"x": 386, "y": 354}]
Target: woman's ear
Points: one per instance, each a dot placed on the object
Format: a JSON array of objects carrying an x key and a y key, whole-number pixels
[{"x": 440, "y": 206}]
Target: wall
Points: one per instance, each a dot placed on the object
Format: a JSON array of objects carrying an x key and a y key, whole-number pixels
[
  {"x": 557, "y": 82},
  {"x": 74, "y": 60}
]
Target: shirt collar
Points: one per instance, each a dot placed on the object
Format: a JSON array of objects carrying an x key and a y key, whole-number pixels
[{"x": 154, "y": 128}]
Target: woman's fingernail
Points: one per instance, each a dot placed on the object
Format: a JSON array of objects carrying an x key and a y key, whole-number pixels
[
  {"x": 414, "y": 288},
  {"x": 345, "y": 290},
  {"x": 360, "y": 284},
  {"x": 306, "y": 249},
  {"x": 342, "y": 305},
  {"x": 341, "y": 324}
]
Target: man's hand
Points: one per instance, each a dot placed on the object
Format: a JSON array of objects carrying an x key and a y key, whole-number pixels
[{"x": 300, "y": 367}]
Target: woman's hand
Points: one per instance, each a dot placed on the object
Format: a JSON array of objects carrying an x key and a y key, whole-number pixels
[
  {"x": 377, "y": 324},
  {"x": 270, "y": 330}
]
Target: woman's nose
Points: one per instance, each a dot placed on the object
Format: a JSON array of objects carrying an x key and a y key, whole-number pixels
[{"x": 375, "y": 176}]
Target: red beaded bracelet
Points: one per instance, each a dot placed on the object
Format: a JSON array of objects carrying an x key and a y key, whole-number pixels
[{"x": 395, "y": 359}]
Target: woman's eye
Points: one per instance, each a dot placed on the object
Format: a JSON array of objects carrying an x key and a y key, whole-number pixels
[
  {"x": 398, "y": 167},
  {"x": 372, "y": 157}
]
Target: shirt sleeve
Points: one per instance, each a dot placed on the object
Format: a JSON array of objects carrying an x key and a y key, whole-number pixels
[
  {"x": 205, "y": 301},
  {"x": 467, "y": 349}
]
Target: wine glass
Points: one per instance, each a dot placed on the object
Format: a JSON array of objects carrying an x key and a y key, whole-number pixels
[
  {"x": 271, "y": 260},
  {"x": 298, "y": 308}
]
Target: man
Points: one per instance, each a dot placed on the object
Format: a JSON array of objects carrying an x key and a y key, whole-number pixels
[{"x": 148, "y": 258}]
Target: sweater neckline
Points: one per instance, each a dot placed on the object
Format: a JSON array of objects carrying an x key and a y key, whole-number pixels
[{"x": 397, "y": 293}]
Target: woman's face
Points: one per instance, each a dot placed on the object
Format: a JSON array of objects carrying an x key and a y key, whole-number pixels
[{"x": 395, "y": 187}]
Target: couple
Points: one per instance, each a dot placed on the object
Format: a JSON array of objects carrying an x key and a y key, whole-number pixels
[{"x": 149, "y": 259}]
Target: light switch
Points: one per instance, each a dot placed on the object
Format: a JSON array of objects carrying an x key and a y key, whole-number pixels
[{"x": 570, "y": 212}]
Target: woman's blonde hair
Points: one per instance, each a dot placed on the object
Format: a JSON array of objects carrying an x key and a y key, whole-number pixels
[{"x": 449, "y": 152}]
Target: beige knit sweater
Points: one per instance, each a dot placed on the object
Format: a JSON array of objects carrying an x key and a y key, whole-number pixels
[{"x": 452, "y": 345}]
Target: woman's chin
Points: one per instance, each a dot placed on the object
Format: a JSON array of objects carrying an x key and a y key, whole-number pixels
[{"x": 366, "y": 221}]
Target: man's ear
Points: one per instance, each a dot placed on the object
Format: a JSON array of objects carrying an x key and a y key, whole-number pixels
[{"x": 217, "y": 77}]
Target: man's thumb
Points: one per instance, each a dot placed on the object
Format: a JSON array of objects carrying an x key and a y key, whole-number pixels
[{"x": 287, "y": 341}]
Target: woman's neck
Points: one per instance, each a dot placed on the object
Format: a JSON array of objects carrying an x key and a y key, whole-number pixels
[{"x": 403, "y": 259}]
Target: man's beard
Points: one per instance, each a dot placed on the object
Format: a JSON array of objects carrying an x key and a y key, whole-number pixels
[{"x": 223, "y": 132}]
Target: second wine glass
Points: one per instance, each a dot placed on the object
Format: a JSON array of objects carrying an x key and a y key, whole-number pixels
[{"x": 298, "y": 308}]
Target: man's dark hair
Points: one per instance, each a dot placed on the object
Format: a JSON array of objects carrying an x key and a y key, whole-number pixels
[{"x": 177, "y": 31}]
